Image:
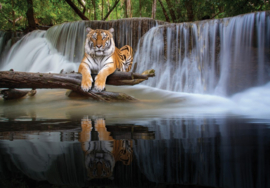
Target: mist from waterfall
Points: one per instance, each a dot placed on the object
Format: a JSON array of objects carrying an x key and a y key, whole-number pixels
[{"x": 220, "y": 57}]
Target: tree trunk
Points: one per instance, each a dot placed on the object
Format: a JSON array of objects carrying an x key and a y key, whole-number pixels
[
  {"x": 30, "y": 15},
  {"x": 110, "y": 11},
  {"x": 129, "y": 13},
  {"x": 108, "y": 8},
  {"x": 189, "y": 7},
  {"x": 171, "y": 10},
  {"x": 13, "y": 25},
  {"x": 102, "y": 6},
  {"x": 83, "y": 5},
  {"x": 125, "y": 4},
  {"x": 116, "y": 13},
  {"x": 154, "y": 7},
  {"x": 72, "y": 81},
  {"x": 95, "y": 11},
  {"x": 76, "y": 10},
  {"x": 164, "y": 11},
  {"x": 140, "y": 4},
  {"x": 13, "y": 17}
]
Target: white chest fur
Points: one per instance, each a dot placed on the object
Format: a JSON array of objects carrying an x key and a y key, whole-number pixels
[{"x": 98, "y": 62}]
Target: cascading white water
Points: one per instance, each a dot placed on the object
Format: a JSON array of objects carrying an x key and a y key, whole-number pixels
[
  {"x": 62, "y": 46},
  {"x": 219, "y": 57},
  {"x": 6, "y": 42},
  {"x": 34, "y": 53},
  {"x": 215, "y": 56}
]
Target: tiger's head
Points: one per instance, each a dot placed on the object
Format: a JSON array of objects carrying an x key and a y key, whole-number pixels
[
  {"x": 99, "y": 160},
  {"x": 99, "y": 42}
]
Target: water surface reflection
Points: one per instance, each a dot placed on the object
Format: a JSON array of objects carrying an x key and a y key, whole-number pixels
[{"x": 202, "y": 151}]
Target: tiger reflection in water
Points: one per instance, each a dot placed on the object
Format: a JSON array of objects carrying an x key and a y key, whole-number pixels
[{"x": 101, "y": 155}]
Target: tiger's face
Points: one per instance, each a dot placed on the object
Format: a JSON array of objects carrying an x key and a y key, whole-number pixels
[
  {"x": 99, "y": 159},
  {"x": 99, "y": 42}
]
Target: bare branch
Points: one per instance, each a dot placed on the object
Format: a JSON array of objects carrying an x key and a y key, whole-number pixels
[
  {"x": 18, "y": 19},
  {"x": 83, "y": 5},
  {"x": 164, "y": 11},
  {"x": 171, "y": 10},
  {"x": 107, "y": 15},
  {"x": 75, "y": 8},
  {"x": 217, "y": 14}
]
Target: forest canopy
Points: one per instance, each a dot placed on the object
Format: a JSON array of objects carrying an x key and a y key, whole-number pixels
[{"x": 35, "y": 14}]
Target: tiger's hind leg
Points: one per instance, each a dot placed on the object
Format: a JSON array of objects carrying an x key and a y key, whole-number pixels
[{"x": 127, "y": 54}]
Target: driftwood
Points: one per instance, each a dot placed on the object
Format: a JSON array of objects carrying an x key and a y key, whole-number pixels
[
  {"x": 12, "y": 79},
  {"x": 9, "y": 94}
]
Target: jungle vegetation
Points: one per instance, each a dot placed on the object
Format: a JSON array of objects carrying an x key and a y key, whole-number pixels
[{"x": 27, "y": 15}]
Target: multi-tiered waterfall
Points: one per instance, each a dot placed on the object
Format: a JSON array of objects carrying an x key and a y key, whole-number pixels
[
  {"x": 199, "y": 137},
  {"x": 62, "y": 46},
  {"x": 221, "y": 57}
]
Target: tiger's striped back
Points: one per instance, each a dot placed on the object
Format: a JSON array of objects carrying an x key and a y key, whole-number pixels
[{"x": 123, "y": 58}]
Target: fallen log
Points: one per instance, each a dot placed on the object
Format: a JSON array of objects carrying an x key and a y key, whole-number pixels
[
  {"x": 13, "y": 93},
  {"x": 12, "y": 79}
]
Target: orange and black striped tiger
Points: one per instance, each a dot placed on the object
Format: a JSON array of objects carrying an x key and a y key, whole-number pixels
[
  {"x": 102, "y": 57},
  {"x": 101, "y": 155}
]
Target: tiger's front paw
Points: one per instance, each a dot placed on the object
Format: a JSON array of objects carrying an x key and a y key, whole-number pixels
[
  {"x": 86, "y": 83},
  {"x": 100, "y": 83},
  {"x": 86, "y": 124}
]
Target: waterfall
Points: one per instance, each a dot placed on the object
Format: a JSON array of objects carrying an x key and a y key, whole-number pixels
[
  {"x": 69, "y": 38},
  {"x": 62, "y": 46},
  {"x": 221, "y": 56},
  {"x": 6, "y": 42},
  {"x": 34, "y": 53}
]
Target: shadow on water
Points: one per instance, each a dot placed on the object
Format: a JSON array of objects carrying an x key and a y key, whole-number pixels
[{"x": 167, "y": 152}]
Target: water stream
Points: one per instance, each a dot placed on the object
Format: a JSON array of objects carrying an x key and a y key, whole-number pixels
[{"x": 220, "y": 57}]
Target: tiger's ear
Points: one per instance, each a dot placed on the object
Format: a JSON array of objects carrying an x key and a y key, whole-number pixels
[
  {"x": 88, "y": 29},
  {"x": 111, "y": 30}
]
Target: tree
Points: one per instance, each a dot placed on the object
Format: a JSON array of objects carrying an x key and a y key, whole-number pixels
[
  {"x": 164, "y": 11},
  {"x": 95, "y": 11},
  {"x": 189, "y": 7},
  {"x": 77, "y": 10},
  {"x": 102, "y": 5},
  {"x": 30, "y": 15},
  {"x": 35, "y": 13},
  {"x": 111, "y": 9},
  {"x": 171, "y": 10},
  {"x": 140, "y": 5},
  {"x": 154, "y": 8},
  {"x": 129, "y": 8},
  {"x": 83, "y": 5}
]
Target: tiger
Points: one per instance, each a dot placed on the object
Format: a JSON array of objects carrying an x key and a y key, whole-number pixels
[
  {"x": 102, "y": 57},
  {"x": 103, "y": 152}
]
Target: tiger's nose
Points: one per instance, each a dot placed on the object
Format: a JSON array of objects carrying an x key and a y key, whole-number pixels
[{"x": 98, "y": 45}]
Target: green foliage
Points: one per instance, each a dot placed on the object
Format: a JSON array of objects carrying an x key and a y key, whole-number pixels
[{"x": 51, "y": 12}]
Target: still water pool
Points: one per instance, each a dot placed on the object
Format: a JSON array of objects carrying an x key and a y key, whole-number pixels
[{"x": 166, "y": 140}]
